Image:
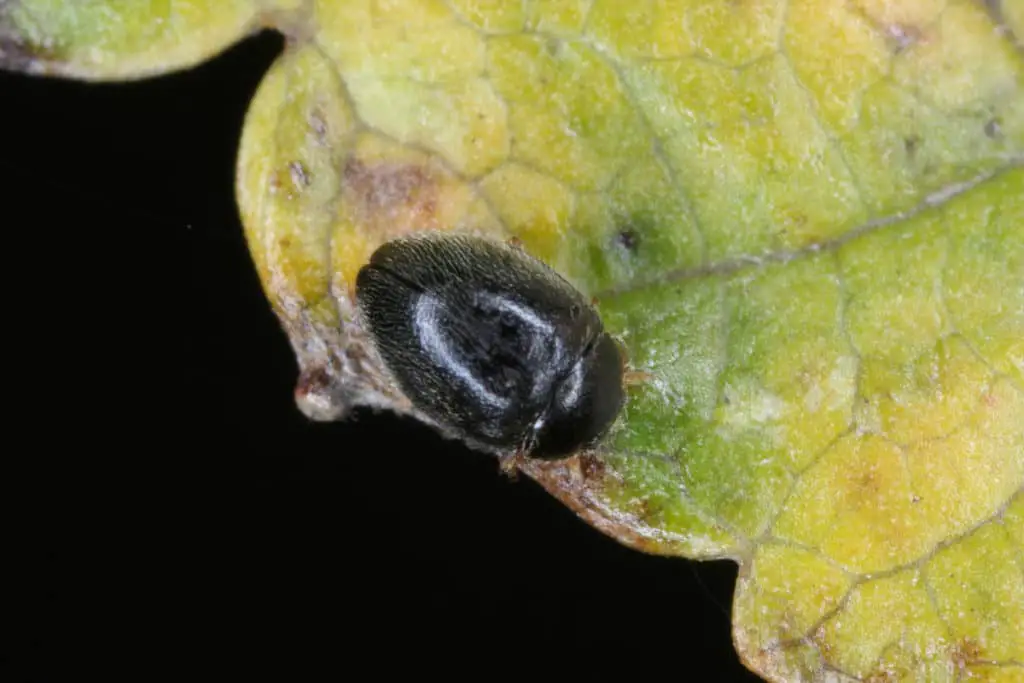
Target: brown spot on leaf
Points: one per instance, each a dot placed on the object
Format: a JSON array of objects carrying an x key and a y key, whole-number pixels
[
  {"x": 585, "y": 494},
  {"x": 764, "y": 659},
  {"x": 868, "y": 482},
  {"x": 275, "y": 182},
  {"x": 384, "y": 185},
  {"x": 317, "y": 396},
  {"x": 591, "y": 467},
  {"x": 910, "y": 145},
  {"x": 767, "y": 659},
  {"x": 392, "y": 198},
  {"x": 965, "y": 652},
  {"x": 644, "y": 511},
  {"x": 313, "y": 380},
  {"x": 16, "y": 53}
]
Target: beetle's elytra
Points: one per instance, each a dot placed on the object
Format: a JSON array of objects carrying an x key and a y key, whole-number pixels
[{"x": 492, "y": 343}]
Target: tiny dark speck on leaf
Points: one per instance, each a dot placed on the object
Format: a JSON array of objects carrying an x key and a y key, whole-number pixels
[
  {"x": 992, "y": 128},
  {"x": 910, "y": 144},
  {"x": 628, "y": 240}
]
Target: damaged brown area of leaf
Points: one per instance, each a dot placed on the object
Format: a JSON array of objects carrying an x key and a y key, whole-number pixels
[
  {"x": 965, "y": 652},
  {"x": 17, "y": 53},
  {"x": 387, "y": 189},
  {"x": 581, "y": 483},
  {"x": 578, "y": 482},
  {"x": 339, "y": 371},
  {"x": 316, "y": 395}
]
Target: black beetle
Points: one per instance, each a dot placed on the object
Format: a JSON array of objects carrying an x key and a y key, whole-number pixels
[{"x": 492, "y": 344}]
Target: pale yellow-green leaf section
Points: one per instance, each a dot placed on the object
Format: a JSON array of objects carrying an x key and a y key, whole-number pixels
[
  {"x": 302, "y": 127},
  {"x": 119, "y": 39}
]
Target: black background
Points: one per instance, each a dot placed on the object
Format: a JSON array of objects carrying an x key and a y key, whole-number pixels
[{"x": 175, "y": 497}]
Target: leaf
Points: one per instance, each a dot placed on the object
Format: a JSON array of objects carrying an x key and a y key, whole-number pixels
[
  {"x": 121, "y": 39},
  {"x": 805, "y": 220}
]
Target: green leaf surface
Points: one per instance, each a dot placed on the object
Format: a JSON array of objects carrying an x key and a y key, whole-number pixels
[{"x": 803, "y": 218}]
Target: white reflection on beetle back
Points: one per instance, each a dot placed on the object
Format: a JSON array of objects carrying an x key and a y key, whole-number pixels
[
  {"x": 502, "y": 303},
  {"x": 545, "y": 349},
  {"x": 427, "y": 321},
  {"x": 542, "y": 349},
  {"x": 569, "y": 391}
]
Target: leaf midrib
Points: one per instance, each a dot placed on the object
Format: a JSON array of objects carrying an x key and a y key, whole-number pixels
[{"x": 935, "y": 200}]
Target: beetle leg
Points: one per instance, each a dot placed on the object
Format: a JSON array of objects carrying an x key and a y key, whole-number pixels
[
  {"x": 509, "y": 464},
  {"x": 632, "y": 378}
]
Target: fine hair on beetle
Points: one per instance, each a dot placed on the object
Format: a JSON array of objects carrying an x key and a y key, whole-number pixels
[{"x": 491, "y": 344}]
